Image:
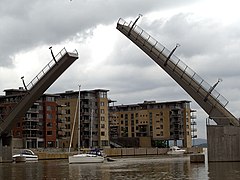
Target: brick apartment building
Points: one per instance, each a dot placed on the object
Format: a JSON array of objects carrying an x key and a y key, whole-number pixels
[
  {"x": 37, "y": 129},
  {"x": 50, "y": 121}
]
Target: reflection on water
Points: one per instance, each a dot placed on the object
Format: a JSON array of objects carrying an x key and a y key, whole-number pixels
[{"x": 156, "y": 167}]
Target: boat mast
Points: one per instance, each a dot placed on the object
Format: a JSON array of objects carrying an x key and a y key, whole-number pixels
[
  {"x": 91, "y": 124},
  {"x": 79, "y": 116},
  {"x": 73, "y": 128}
]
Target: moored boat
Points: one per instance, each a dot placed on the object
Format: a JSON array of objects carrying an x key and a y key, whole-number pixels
[
  {"x": 91, "y": 157},
  {"x": 26, "y": 154},
  {"x": 174, "y": 150}
]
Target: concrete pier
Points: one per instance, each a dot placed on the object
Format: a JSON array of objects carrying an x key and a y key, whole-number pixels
[
  {"x": 197, "y": 158},
  {"x": 6, "y": 149},
  {"x": 223, "y": 143}
]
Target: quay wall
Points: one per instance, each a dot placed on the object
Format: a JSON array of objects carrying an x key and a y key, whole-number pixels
[{"x": 114, "y": 152}]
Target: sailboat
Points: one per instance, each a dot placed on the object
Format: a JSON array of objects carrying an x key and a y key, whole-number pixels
[{"x": 94, "y": 156}]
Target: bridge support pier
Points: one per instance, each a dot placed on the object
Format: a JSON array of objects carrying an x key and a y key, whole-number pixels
[
  {"x": 223, "y": 143},
  {"x": 6, "y": 149}
]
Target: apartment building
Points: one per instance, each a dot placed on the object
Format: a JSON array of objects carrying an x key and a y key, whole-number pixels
[
  {"x": 93, "y": 118},
  {"x": 37, "y": 128},
  {"x": 161, "y": 121}
]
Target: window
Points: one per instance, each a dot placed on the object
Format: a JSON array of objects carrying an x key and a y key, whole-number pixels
[
  {"x": 102, "y": 125},
  {"x": 132, "y": 116},
  {"x": 102, "y": 133},
  {"x": 40, "y": 116},
  {"x": 102, "y": 118},
  {"x": 49, "y": 124},
  {"x": 103, "y": 94},
  {"x": 50, "y": 99},
  {"x": 49, "y": 133},
  {"x": 50, "y": 144},
  {"x": 104, "y": 143},
  {"x": 67, "y": 103},
  {"x": 67, "y": 111},
  {"x": 49, "y": 116},
  {"x": 102, "y": 111},
  {"x": 101, "y": 103},
  {"x": 49, "y": 108},
  {"x": 67, "y": 119}
]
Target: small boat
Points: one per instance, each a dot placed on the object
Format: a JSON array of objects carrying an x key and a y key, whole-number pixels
[
  {"x": 91, "y": 157},
  {"x": 175, "y": 150},
  {"x": 26, "y": 155}
]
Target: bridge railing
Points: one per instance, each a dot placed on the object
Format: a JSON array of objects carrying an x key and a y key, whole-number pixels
[
  {"x": 175, "y": 61},
  {"x": 46, "y": 68}
]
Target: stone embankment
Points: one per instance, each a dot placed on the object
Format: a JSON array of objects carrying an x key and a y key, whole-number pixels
[{"x": 114, "y": 152}]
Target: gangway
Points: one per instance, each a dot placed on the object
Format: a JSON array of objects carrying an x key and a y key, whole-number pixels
[
  {"x": 44, "y": 79},
  {"x": 212, "y": 102}
]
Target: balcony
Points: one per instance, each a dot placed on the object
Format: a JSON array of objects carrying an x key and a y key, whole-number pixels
[
  {"x": 30, "y": 127},
  {"x": 193, "y": 123},
  {"x": 32, "y": 119},
  {"x": 33, "y": 110},
  {"x": 194, "y": 130}
]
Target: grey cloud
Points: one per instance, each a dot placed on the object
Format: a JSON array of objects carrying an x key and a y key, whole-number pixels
[{"x": 28, "y": 24}]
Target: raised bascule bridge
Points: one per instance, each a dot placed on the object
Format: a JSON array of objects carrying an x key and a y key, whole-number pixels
[
  {"x": 224, "y": 137},
  {"x": 44, "y": 79}
]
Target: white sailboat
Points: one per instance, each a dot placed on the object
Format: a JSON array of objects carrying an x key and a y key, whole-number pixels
[{"x": 92, "y": 156}]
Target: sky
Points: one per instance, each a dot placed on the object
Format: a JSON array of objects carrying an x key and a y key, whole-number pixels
[{"x": 208, "y": 32}]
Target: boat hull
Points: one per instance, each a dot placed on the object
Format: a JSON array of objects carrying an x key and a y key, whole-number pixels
[
  {"x": 85, "y": 158},
  {"x": 26, "y": 157},
  {"x": 26, "y": 154}
]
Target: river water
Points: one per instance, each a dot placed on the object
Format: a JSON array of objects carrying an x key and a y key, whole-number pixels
[{"x": 153, "y": 167}]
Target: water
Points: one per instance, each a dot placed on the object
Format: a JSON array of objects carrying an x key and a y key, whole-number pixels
[{"x": 154, "y": 167}]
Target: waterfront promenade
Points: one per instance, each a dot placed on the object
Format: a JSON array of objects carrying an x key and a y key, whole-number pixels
[{"x": 47, "y": 154}]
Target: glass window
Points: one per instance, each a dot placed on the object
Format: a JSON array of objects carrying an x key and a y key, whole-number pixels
[
  {"x": 102, "y": 111},
  {"x": 50, "y": 99},
  {"x": 49, "y": 116},
  {"x": 49, "y": 133},
  {"x": 49, "y": 124}
]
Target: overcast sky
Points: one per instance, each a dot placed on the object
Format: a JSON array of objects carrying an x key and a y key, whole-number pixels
[{"x": 208, "y": 31}]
